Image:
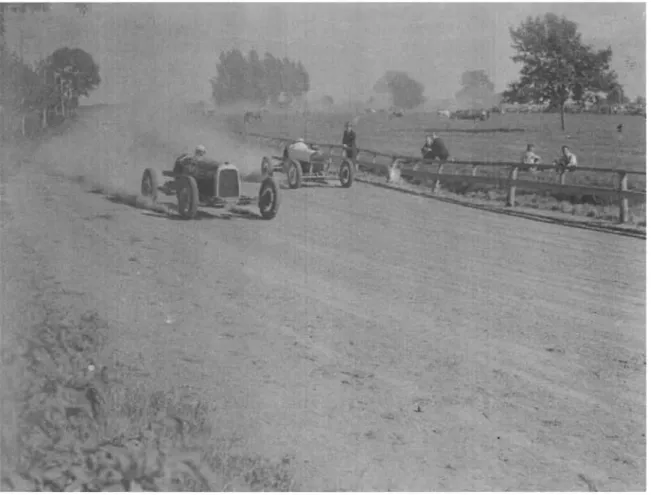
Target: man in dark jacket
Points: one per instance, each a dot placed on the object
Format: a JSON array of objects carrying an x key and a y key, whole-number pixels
[
  {"x": 185, "y": 162},
  {"x": 350, "y": 142},
  {"x": 434, "y": 148}
]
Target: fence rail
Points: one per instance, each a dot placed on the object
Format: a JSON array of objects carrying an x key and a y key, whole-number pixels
[{"x": 416, "y": 168}]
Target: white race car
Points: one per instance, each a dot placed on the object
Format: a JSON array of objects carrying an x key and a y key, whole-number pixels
[{"x": 304, "y": 162}]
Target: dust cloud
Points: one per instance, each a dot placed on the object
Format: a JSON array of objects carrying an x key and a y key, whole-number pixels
[{"x": 156, "y": 73}]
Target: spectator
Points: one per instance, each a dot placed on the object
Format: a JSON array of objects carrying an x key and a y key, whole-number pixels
[
  {"x": 530, "y": 158},
  {"x": 567, "y": 161},
  {"x": 434, "y": 148},
  {"x": 350, "y": 142}
]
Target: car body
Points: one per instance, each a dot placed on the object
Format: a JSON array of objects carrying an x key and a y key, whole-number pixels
[
  {"x": 303, "y": 162},
  {"x": 210, "y": 183}
]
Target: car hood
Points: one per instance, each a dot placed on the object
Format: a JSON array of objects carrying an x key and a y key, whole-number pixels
[{"x": 209, "y": 164}]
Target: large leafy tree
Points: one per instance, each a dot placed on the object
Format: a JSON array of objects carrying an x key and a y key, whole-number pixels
[
  {"x": 477, "y": 90},
  {"x": 405, "y": 92},
  {"x": 556, "y": 64},
  {"x": 78, "y": 66}
]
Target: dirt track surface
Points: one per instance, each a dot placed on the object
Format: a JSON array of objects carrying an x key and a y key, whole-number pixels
[{"x": 385, "y": 342}]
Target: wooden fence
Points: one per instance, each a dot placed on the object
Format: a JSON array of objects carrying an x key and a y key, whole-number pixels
[{"x": 436, "y": 172}]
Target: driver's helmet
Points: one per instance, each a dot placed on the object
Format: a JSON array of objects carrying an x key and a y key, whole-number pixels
[{"x": 200, "y": 150}]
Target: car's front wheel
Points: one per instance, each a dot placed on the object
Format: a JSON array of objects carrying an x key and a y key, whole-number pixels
[
  {"x": 187, "y": 194},
  {"x": 268, "y": 199}
]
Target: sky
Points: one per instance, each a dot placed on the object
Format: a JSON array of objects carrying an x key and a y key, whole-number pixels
[{"x": 346, "y": 47}]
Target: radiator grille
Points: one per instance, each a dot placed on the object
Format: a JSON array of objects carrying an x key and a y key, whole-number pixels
[{"x": 229, "y": 185}]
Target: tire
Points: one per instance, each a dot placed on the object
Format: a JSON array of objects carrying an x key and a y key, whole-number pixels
[
  {"x": 149, "y": 184},
  {"x": 346, "y": 173},
  {"x": 268, "y": 198},
  {"x": 187, "y": 194},
  {"x": 294, "y": 174},
  {"x": 266, "y": 168}
]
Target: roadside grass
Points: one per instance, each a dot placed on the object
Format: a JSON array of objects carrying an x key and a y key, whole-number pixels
[{"x": 72, "y": 422}]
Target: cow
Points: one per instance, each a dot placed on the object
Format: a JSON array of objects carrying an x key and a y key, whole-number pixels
[
  {"x": 444, "y": 113},
  {"x": 396, "y": 114},
  {"x": 251, "y": 116}
]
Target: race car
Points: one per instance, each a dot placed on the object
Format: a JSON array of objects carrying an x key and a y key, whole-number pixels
[
  {"x": 307, "y": 163},
  {"x": 200, "y": 181}
]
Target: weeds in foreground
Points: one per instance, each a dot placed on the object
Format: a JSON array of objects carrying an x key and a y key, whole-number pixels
[{"x": 78, "y": 428}]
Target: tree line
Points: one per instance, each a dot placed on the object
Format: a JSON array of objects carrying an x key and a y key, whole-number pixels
[
  {"x": 51, "y": 87},
  {"x": 556, "y": 67},
  {"x": 267, "y": 80}
]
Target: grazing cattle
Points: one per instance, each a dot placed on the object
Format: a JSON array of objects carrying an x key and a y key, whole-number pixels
[
  {"x": 251, "y": 116},
  {"x": 444, "y": 113},
  {"x": 473, "y": 115}
]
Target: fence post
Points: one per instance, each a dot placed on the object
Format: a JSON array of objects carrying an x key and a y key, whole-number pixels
[
  {"x": 561, "y": 178},
  {"x": 513, "y": 176},
  {"x": 623, "y": 200},
  {"x": 437, "y": 182}
]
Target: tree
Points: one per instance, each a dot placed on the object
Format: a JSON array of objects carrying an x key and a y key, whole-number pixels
[
  {"x": 616, "y": 95},
  {"x": 477, "y": 90},
  {"x": 76, "y": 65},
  {"x": 405, "y": 92},
  {"x": 251, "y": 79},
  {"x": 556, "y": 64}
]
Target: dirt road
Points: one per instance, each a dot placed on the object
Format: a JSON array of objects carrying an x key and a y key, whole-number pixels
[{"x": 383, "y": 341}]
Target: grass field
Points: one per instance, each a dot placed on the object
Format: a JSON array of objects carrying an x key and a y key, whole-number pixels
[{"x": 593, "y": 138}]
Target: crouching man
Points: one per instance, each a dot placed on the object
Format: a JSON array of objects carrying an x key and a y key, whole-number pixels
[
  {"x": 434, "y": 148},
  {"x": 567, "y": 161},
  {"x": 529, "y": 157}
]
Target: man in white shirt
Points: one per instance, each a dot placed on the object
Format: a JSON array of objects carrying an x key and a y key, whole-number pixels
[
  {"x": 300, "y": 145},
  {"x": 567, "y": 161},
  {"x": 530, "y": 158}
]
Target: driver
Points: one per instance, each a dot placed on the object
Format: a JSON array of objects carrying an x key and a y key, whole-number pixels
[
  {"x": 300, "y": 145},
  {"x": 186, "y": 160}
]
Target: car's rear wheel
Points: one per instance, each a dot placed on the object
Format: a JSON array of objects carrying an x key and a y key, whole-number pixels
[
  {"x": 294, "y": 174},
  {"x": 149, "y": 184},
  {"x": 268, "y": 198},
  {"x": 187, "y": 196},
  {"x": 346, "y": 173},
  {"x": 266, "y": 168}
]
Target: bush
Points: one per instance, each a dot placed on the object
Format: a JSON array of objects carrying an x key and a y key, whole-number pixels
[{"x": 66, "y": 435}]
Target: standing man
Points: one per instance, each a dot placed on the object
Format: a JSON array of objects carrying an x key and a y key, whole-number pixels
[{"x": 350, "y": 142}]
